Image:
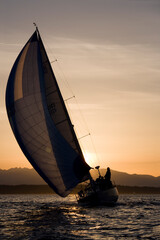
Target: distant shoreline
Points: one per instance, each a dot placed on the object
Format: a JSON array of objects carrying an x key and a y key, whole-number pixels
[{"x": 45, "y": 189}]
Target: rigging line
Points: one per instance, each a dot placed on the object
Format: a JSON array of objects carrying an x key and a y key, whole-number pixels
[
  {"x": 69, "y": 98},
  {"x": 54, "y": 61},
  {"x": 62, "y": 77},
  {"x": 61, "y": 73},
  {"x": 49, "y": 49},
  {"x": 95, "y": 149},
  {"x": 50, "y": 62},
  {"x": 64, "y": 80},
  {"x": 80, "y": 112},
  {"x": 84, "y": 136},
  {"x": 87, "y": 129}
]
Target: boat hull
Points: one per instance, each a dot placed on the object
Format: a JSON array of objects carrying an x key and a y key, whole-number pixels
[{"x": 107, "y": 197}]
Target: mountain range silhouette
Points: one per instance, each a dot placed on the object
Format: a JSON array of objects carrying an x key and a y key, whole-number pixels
[{"x": 26, "y": 176}]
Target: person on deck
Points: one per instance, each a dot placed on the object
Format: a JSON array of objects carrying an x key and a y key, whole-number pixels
[{"x": 108, "y": 175}]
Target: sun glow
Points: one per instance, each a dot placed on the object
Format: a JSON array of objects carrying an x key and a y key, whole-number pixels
[{"x": 90, "y": 158}]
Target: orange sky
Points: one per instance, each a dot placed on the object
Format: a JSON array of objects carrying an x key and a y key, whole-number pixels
[{"x": 108, "y": 52}]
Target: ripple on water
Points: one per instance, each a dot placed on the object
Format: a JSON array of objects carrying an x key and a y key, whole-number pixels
[{"x": 51, "y": 217}]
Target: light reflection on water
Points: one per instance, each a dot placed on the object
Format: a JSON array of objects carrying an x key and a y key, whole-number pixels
[{"x": 52, "y": 217}]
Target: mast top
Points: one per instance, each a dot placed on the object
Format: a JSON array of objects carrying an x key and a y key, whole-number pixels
[
  {"x": 36, "y": 29},
  {"x": 35, "y": 26}
]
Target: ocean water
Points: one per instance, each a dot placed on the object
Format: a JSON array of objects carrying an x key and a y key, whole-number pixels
[{"x": 51, "y": 217}]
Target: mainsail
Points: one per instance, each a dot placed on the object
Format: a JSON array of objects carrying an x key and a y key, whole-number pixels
[{"x": 40, "y": 121}]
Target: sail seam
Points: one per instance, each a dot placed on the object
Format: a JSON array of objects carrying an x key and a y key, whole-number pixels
[
  {"x": 60, "y": 122},
  {"x": 51, "y": 93}
]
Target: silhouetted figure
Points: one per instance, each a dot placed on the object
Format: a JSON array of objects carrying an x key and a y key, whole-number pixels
[
  {"x": 81, "y": 193},
  {"x": 98, "y": 170},
  {"x": 108, "y": 175}
]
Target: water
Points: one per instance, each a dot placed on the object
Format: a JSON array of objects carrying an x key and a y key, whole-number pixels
[{"x": 50, "y": 217}]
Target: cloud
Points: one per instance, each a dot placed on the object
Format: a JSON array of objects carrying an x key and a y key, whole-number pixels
[
  {"x": 9, "y": 44},
  {"x": 132, "y": 68},
  {"x": 86, "y": 107}
]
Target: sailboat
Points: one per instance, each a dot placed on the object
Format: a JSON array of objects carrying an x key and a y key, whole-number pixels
[{"x": 41, "y": 123}]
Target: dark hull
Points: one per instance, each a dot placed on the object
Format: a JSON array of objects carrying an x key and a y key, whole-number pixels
[{"x": 107, "y": 197}]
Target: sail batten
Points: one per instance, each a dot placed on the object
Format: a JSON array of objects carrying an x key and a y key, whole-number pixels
[{"x": 40, "y": 121}]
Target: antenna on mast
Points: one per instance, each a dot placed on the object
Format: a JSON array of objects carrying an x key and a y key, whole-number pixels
[
  {"x": 35, "y": 26},
  {"x": 36, "y": 29}
]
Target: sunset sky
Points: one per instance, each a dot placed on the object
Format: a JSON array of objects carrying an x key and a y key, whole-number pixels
[{"x": 108, "y": 54}]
